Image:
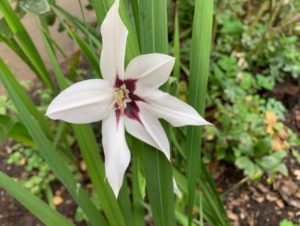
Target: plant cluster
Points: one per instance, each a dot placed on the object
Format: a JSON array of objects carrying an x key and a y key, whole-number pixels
[{"x": 255, "y": 46}]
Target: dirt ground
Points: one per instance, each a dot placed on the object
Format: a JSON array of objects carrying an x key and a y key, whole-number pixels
[{"x": 259, "y": 203}]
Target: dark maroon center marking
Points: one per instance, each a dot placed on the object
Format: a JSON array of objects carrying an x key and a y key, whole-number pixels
[{"x": 131, "y": 110}]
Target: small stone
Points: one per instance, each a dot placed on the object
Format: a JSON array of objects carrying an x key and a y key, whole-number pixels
[
  {"x": 22, "y": 161},
  {"x": 83, "y": 166},
  {"x": 57, "y": 200},
  {"x": 232, "y": 216},
  {"x": 242, "y": 216},
  {"x": 271, "y": 197},
  {"x": 260, "y": 199},
  {"x": 297, "y": 174},
  {"x": 279, "y": 203}
]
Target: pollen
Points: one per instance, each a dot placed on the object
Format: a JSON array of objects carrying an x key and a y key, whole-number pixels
[{"x": 121, "y": 98}]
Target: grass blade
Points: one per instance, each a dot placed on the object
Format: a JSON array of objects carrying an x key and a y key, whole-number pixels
[
  {"x": 79, "y": 25},
  {"x": 125, "y": 203},
  {"x": 176, "y": 72},
  {"x": 158, "y": 172},
  {"x": 199, "y": 69},
  {"x": 137, "y": 198},
  {"x": 17, "y": 131},
  {"x": 86, "y": 49},
  {"x": 36, "y": 206},
  {"x": 154, "y": 26},
  {"x": 158, "y": 176}
]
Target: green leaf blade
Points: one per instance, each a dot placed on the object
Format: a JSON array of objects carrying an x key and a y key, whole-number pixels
[
  {"x": 158, "y": 172},
  {"x": 36, "y": 206}
]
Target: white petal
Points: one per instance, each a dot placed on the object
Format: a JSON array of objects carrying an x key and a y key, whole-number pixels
[
  {"x": 176, "y": 189},
  {"x": 139, "y": 131},
  {"x": 114, "y": 36},
  {"x": 151, "y": 132},
  {"x": 173, "y": 110},
  {"x": 117, "y": 154},
  {"x": 151, "y": 70},
  {"x": 83, "y": 102}
]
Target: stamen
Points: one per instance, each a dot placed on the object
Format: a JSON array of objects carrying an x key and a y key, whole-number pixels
[{"x": 121, "y": 98}]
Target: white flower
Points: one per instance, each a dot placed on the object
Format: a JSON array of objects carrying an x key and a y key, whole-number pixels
[{"x": 128, "y": 99}]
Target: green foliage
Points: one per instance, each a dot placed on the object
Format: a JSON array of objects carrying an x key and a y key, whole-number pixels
[
  {"x": 39, "y": 174},
  {"x": 35, "y": 205},
  {"x": 287, "y": 223},
  {"x": 34, "y": 6},
  {"x": 255, "y": 46},
  {"x": 266, "y": 34},
  {"x": 243, "y": 136}
]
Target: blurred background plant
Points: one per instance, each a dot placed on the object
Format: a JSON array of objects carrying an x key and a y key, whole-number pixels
[{"x": 255, "y": 47}]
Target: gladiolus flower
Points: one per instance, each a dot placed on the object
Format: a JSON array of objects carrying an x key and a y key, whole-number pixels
[{"x": 128, "y": 100}]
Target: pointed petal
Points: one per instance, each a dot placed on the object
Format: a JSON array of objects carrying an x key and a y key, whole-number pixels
[
  {"x": 149, "y": 130},
  {"x": 114, "y": 36},
  {"x": 83, "y": 102},
  {"x": 151, "y": 70},
  {"x": 117, "y": 154},
  {"x": 173, "y": 110},
  {"x": 176, "y": 189},
  {"x": 136, "y": 129}
]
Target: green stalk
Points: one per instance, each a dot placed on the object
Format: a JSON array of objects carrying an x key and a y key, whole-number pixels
[
  {"x": 199, "y": 69},
  {"x": 87, "y": 50},
  {"x": 137, "y": 198},
  {"x": 125, "y": 203},
  {"x": 158, "y": 172},
  {"x": 176, "y": 72},
  {"x": 136, "y": 15}
]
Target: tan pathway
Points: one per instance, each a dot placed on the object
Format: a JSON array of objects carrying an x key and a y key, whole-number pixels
[{"x": 21, "y": 71}]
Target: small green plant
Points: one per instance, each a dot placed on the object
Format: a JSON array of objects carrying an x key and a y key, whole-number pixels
[
  {"x": 249, "y": 131},
  {"x": 38, "y": 175},
  {"x": 288, "y": 223}
]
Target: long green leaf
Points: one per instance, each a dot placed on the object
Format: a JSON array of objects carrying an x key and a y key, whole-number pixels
[
  {"x": 49, "y": 154},
  {"x": 125, "y": 203},
  {"x": 35, "y": 205},
  {"x": 86, "y": 49},
  {"x": 154, "y": 26},
  {"x": 176, "y": 72},
  {"x": 199, "y": 69},
  {"x": 137, "y": 198},
  {"x": 158, "y": 175},
  {"x": 31, "y": 107},
  {"x": 90, "y": 152},
  {"x": 154, "y": 38},
  {"x": 17, "y": 131},
  {"x": 79, "y": 25},
  {"x": 15, "y": 46}
]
